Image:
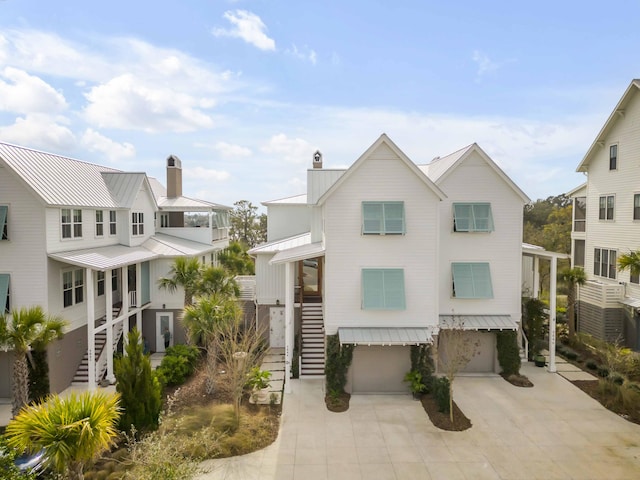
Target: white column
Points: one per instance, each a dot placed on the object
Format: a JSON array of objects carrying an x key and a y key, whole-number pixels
[
  {"x": 111, "y": 378},
  {"x": 139, "y": 297},
  {"x": 536, "y": 276},
  {"x": 91, "y": 339},
  {"x": 289, "y": 313},
  {"x": 125, "y": 307},
  {"x": 552, "y": 314}
]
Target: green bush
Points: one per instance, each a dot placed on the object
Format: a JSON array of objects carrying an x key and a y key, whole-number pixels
[
  {"x": 422, "y": 362},
  {"x": 174, "y": 370},
  {"x": 571, "y": 355},
  {"x": 8, "y": 470},
  {"x": 508, "y": 352},
  {"x": 190, "y": 352},
  {"x": 616, "y": 378},
  {"x": 591, "y": 365},
  {"x": 603, "y": 371},
  {"x": 441, "y": 393},
  {"x": 338, "y": 361}
]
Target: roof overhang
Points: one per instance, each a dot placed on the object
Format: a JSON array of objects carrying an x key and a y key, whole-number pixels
[
  {"x": 630, "y": 302},
  {"x": 296, "y": 254},
  {"x": 478, "y": 322},
  {"x": 536, "y": 251},
  {"x": 386, "y": 336},
  {"x": 105, "y": 258},
  {"x": 282, "y": 244}
]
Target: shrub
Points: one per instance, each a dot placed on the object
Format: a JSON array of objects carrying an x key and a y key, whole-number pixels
[
  {"x": 591, "y": 365},
  {"x": 7, "y": 467},
  {"x": 571, "y": 355},
  {"x": 616, "y": 378},
  {"x": 174, "y": 370},
  {"x": 190, "y": 352},
  {"x": 603, "y": 371},
  {"x": 338, "y": 361},
  {"x": 441, "y": 393},
  {"x": 422, "y": 362},
  {"x": 508, "y": 352}
]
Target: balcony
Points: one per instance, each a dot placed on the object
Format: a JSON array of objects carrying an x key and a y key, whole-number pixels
[{"x": 205, "y": 234}]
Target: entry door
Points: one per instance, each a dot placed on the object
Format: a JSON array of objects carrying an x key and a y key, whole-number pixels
[
  {"x": 276, "y": 327},
  {"x": 164, "y": 322},
  {"x": 310, "y": 272}
]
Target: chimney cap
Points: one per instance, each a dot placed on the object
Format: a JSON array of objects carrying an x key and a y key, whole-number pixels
[
  {"x": 317, "y": 159},
  {"x": 174, "y": 161}
]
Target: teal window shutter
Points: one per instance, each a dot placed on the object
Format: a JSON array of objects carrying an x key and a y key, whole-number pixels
[
  {"x": 471, "y": 280},
  {"x": 3, "y": 221},
  {"x": 4, "y": 293},
  {"x": 394, "y": 218},
  {"x": 371, "y": 217},
  {"x": 383, "y": 289},
  {"x": 383, "y": 218},
  {"x": 472, "y": 217}
]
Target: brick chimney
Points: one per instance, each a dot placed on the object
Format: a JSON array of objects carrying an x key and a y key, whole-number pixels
[{"x": 174, "y": 177}]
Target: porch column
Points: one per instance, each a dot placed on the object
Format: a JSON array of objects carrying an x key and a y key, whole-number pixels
[
  {"x": 91, "y": 339},
  {"x": 125, "y": 307},
  {"x": 111, "y": 378},
  {"x": 536, "y": 276},
  {"x": 139, "y": 298},
  {"x": 552, "y": 314},
  {"x": 289, "y": 313}
]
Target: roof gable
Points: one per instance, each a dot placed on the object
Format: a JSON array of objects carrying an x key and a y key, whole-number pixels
[
  {"x": 382, "y": 140},
  {"x": 124, "y": 187},
  {"x": 618, "y": 112}
]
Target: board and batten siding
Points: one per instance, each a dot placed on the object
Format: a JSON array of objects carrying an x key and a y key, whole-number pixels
[
  {"x": 382, "y": 177},
  {"x": 287, "y": 220},
  {"x": 270, "y": 281},
  {"x": 475, "y": 181},
  {"x": 23, "y": 255}
]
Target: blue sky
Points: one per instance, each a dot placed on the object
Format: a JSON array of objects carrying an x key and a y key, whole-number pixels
[{"x": 245, "y": 91}]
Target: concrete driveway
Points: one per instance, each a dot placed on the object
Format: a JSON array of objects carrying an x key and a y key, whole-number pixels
[{"x": 550, "y": 431}]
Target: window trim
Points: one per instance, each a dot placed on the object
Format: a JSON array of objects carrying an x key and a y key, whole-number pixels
[
  {"x": 582, "y": 222},
  {"x": 4, "y": 223},
  {"x": 636, "y": 214},
  {"x": 383, "y": 227},
  {"x": 6, "y": 308},
  {"x": 100, "y": 283},
  {"x": 613, "y": 157},
  {"x": 113, "y": 223},
  {"x": 75, "y": 289},
  {"x": 386, "y": 296},
  {"x": 473, "y": 218},
  {"x": 474, "y": 276},
  {"x": 99, "y": 223},
  {"x": 74, "y": 223},
  {"x": 137, "y": 224},
  {"x": 603, "y": 208},
  {"x": 599, "y": 263}
]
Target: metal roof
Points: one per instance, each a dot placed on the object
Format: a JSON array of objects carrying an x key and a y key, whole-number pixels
[
  {"x": 169, "y": 246},
  {"x": 282, "y": 244},
  {"x": 124, "y": 187},
  {"x": 440, "y": 165},
  {"x": 105, "y": 258},
  {"x": 631, "y": 302},
  {"x": 295, "y": 200},
  {"x": 301, "y": 252},
  {"x": 385, "y": 336},
  {"x": 185, "y": 204},
  {"x": 478, "y": 322}
]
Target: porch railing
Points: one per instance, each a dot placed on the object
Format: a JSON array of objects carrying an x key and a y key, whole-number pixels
[{"x": 133, "y": 298}]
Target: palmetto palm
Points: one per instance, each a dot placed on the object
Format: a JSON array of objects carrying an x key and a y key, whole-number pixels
[
  {"x": 572, "y": 277},
  {"x": 217, "y": 280},
  {"x": 70, "y": 430},
  {"x": 630, "y": 261},
  {"x": 185, "y": 273},
  {"x": 26, "y": 328}
]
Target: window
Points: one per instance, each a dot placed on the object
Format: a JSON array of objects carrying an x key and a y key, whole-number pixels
[
  {"x": 114, "y": 279},
  {"x": 164, "y": 220},
  {"x": 383, "y": 218},
  {"x": 72, "y": 287},
  {"x": 4, "y": 221},
  {"x": 100, "y": 283},
  {"x": 137, "y": 223},
  {"x": 634, "y": 278},
  {"x": 636, "y": 207},
  {"x": 472, "y": 217},
  {"x": 578, "y": 253},
  {"x": 604, "y": 262},
  {"x": 112, "y": 222},
  {"x": 471, "y": 280},
  {"x": 607, "y": 203},
  {"x": 613, "y": 157},
  {"x": 383, "y": 289},
  {"x": 579, "y": 214},
  {"x": 5, "y": 304},
  {"x": 71, "y": 221},
  {"x": 99, "y": 223}
]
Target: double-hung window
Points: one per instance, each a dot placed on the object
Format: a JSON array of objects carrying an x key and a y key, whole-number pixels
[
  {"x": 99, "y": 223},
  {"x": 471, "y": 280},
  {"x": 100, "y": 288},
  {"x": 383, "y": 218},
  {"x": 604, "y": 262},
  {"x": 4, "y": 221},
  {"x": 636, "y": 206},
  {"x": 112, "y": 222},
  {"x": 472, "y": 217},
  {"x": 115, "y": 273},
  {"x": 613, "y": 157},
  {"x": 383, "y": 289},
  {"x": 606, "y": 207},
  {"x": 579, "y": 214},
  {"x": 72, "y": 287},
  {"x": 137, "y": 223},
  {"x": 71, "y": 222},
  {"x": 5, "y": 304}
]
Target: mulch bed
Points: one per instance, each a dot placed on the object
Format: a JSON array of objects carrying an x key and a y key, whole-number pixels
[
  {"x": 442, "y": 420},
  {"x": 517, "y": 380},
  {"x": 337, "y": 404},
  {"x": 592, "y": 388}
]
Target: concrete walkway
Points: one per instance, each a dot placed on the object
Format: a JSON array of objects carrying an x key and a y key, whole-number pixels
[{"x": 550, "y": 431}]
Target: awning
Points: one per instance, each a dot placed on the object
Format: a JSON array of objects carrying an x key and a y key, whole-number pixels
[
  {"x": 478, "y": 322},
  {"x": 386, "y": 336},
  {"x": 631, "y": 302},
  {"x": 295, "y": 254},
  {"x": 104, "y": 258}
]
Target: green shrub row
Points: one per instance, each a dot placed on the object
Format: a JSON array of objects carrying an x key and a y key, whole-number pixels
[
  {"x": 441, "y": 393},
  {"x": 178, "y": 364},
  {"x": 508, "y": 352},
  {"x": 338, "y": 362}
]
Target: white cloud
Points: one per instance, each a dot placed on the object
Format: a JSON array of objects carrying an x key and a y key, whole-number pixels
[
  {"x": 291, "y": 150},
  {"x": 230, "y": 150},
  {"x": 249, "y": 27},
  {"x": 305, "y": 54},
  {"x": 24, "y": 93},
  {"x": 205, "y": 174},
  {"x": 485, "y": 64},
  {"x": 113, "y": 151},
  {"x": 126, "y": 102},
  {"x": 40, "y": 131}
]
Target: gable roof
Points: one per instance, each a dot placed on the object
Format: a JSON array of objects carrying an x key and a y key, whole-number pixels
[
  {"x": 294, "y": 200},
  {"x": 383, "y": 139},
  {"x": 181, "y": 203},
  {"x": 580, "y": 189},
  {"x": 618, "y": 112},
  {"x": 440, "y": 168},
  {"x": 124, "y": 186}
]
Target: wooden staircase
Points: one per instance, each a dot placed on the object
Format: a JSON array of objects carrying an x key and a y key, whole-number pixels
[{"x": 312, "y": 362}]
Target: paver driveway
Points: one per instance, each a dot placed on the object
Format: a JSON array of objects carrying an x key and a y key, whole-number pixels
[{"x": 550, "y": 431}]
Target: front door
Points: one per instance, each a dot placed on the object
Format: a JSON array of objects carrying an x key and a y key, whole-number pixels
[
  {"x": 276, "y": 327},
  {"x": 164, "y": 330},
  {"x": 310, "y": 273}
]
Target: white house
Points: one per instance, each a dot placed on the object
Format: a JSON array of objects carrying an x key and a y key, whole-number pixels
[
  {"x": 89, "y": 243},
  {"x": 606, "y": 224},
  {"x": 384, "y": 253}
]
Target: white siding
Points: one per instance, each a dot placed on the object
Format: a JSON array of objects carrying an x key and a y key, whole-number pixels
[
  {"x": 270, "y": 281},
  {"x": 382, "y": 177},
  {"x": 159, "y": 297},
  {"x": 475, "y": 181},
  {"x": 286, "y": 221},
  {"x": 143, "y": 203}
]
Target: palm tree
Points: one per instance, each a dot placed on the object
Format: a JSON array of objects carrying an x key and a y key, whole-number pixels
[
  {"x": 217, "y": 280},
  {"x": 71, "y": 430},
  {"x": 630, "y": 261},
  {"x": 28, "y": 327},
  {"x": 572, "y": 277},
  {"x": 185, "y": 273},
  {"x": 203, "y": 321}
]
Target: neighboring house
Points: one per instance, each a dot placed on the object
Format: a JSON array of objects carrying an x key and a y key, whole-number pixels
[
  {"x": 606, "y": 224},
  {"x": 89, "y": 243},
  {"x": 384, "y": 253}
]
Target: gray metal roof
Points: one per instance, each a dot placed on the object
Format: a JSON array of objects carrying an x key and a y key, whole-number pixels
[
  {"x": 186, "y": 204},
  {"x": 169, "y": 246},
  {"x": 282, "y": 244},
  {"x": 385, "y": 336},
  {"x": 104, "y": 258},
  {"x": 478, "y": 322},
  {"x": 440, "y": 165},
  {"x": 124, "y": 186},
  {"x": 631, "y": 302}
]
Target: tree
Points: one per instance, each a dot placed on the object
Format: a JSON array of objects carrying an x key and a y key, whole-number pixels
[
  {"x": 456, "y": 348},
  {"x": 139, "y": 388},
  {"x": 572, "y": 277},
  {"x": 71, "y": 430},
  {"x": 217, "y": 280},
  {"x": 204, "y": 321},
  {"x": 236, "y": 260},
  {"x": 27, "y": 327},
  {"x": 631, "y": 262},
  {"x": 185, "y": 273},
  {"x": 247, "y": 227}
]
